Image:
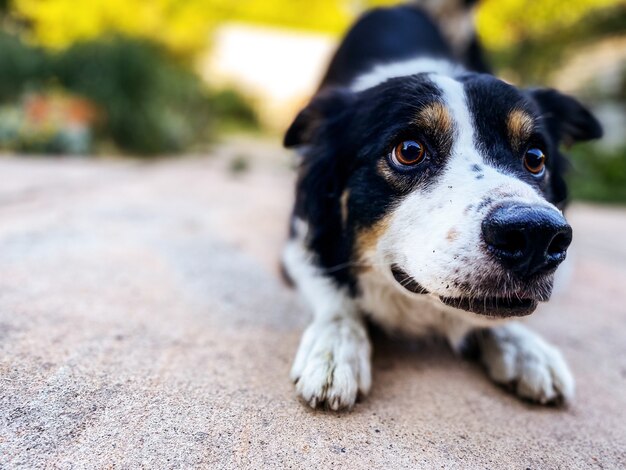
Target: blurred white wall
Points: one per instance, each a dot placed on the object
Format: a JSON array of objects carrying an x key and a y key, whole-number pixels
[{"x": 281, "y": 69}]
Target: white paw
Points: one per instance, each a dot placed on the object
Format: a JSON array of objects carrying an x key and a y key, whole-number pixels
[
  {"x": 516, "y": 356},
  {"x": 333, "y": 364}
]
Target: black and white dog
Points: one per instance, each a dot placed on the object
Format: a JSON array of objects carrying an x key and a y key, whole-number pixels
[{"x": 428, "y": 201}]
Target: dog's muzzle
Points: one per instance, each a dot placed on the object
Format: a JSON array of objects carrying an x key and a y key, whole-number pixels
[
  {"x": 528, "y": 243},
  {"x": 490, "y": 306}
]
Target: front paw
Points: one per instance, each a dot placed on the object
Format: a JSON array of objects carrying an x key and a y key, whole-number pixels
[
  {"x": 518, "y": 357},
  {"x": 333, "y": 364}
]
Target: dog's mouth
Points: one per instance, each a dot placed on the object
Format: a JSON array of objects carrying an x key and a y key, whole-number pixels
[
  {"x": 407, "y": 281},
  {"x": 493, "y": 306},
  {"x": 488, "y": 306}
]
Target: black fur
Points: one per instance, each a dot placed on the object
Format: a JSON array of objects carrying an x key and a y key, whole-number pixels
[
  {"x": 559, "y": 119},
  {"x": 381, "y": 36},
  {"x": 490, "y": 102},
  {"x": 473, "y": 57},
  {"x": 323, "y": 172},
  {"x": 566, "y": 122},
  {"x": 343, "y": 136}
]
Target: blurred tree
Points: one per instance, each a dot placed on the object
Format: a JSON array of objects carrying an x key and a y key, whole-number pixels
[
  {"x": 150, "y": 104},
  {"x": 22, "y": 67},
  {"x": 184, "y": 26},
  {"x": 529, "y": 38},
  {"x": 503, "y": 23},
  {"x": 181, "y": 26},
  {"x": 532, "y": 54}
]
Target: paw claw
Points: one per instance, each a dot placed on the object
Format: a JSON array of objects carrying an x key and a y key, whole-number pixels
[
  {"x": 535, "y": 370},
  {"x": 333, "y": 364}
]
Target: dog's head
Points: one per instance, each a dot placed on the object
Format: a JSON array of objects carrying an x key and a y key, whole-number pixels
[{"x": 453, "y": 186}]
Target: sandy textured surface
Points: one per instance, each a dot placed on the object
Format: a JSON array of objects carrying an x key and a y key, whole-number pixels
[{"x": 142, "y": 323}]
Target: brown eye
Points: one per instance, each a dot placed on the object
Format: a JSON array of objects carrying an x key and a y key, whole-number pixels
[
  {"x": 409, "y": 152},
  {"x": 535, "y": 161}
]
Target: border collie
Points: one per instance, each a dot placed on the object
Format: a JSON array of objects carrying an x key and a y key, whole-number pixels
[{"x": 429, "y": 201}]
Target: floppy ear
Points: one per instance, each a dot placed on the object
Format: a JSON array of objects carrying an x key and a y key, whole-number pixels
[
  {"x": 327, "y": 107},
  {"x": 567, "y": 120},
  {"x": 321, "y": 133}
]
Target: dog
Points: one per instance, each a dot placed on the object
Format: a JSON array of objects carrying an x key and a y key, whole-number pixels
[{"x": 429, "y": 200}]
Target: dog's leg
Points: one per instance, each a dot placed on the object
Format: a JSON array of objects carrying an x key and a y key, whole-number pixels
[
  {"x": 514, "y": 355},
  {"x": 333, "y": 361}
]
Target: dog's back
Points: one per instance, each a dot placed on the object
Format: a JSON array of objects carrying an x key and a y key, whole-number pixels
[{"x": 435, "y": 29}]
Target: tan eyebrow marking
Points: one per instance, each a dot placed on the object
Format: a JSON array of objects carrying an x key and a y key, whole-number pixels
[
  {"x": 435, "y": 118},
  {"x": 520, "y": 125}
]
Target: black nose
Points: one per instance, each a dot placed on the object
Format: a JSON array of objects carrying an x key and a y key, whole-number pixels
[{"x": 526, "y": 239}]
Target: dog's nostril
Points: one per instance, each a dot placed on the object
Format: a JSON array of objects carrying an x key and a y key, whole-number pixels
[
  {"x": 560, "y": 243},
  {"x": 513, "y": 242},
  {"x": 506, "y": 241}
]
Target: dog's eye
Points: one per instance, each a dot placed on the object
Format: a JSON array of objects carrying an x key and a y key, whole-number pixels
[
  {"x": 535, "y": 161},
  {"x": 407, "y": 153}
]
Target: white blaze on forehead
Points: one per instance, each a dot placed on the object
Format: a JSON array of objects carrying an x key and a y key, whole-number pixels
[
  {"x": 466, "y": 153},
  {"x": 384, "y": 72},
  {"x": 453, "y": 95}
]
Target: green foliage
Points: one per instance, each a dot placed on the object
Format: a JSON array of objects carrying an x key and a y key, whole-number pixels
[
  {"x": 233, "y": 111},
  {"x": 509, "y": 23},
  {"x": 535, "y": 57},
  {"x": 150, "y": 104},
  {"x": 21, "y": 67},
  {"x": 598, "y": 175}
]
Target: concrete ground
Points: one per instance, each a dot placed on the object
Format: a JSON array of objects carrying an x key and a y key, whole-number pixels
[{"x": 143, "y": 324}]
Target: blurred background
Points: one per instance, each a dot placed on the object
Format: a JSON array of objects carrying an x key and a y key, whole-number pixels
[
  {"x": 144, "y": 199},
  {"x": 154, "y": 78}
]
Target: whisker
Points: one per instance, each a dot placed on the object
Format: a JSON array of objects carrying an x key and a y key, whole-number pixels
[{"x": 356, "y": 264}]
